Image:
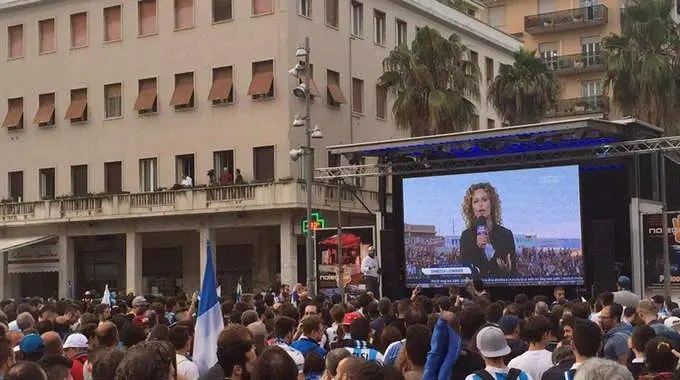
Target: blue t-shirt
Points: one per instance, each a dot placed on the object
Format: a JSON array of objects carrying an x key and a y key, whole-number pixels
[{"x": 499, "y": 374}]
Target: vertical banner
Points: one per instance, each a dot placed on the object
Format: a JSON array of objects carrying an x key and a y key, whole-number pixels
[
  {"x": 355, "y": 243},
  {"x": 652, "y": 225}
]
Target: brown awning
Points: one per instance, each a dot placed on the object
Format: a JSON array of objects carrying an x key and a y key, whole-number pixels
[
  {"x": 336, "y": 93},
  {"x": 182, "y": 94},
  {"x": 220, "y": 89},
  {"x": 76, "y": 110},
  {"x": 44, "y": 114},
  {"x": 13, "y": 117},
  {"x": 145, "y": 99},
  {"x": 313, "y": 89},
  {"x": 261, "y": 84}
]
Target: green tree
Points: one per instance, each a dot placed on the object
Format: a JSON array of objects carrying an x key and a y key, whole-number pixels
[
  {"x": 433, "y": 84},
  {"x": 642, "y": 64},
  {"x": 523, "y": 92}
]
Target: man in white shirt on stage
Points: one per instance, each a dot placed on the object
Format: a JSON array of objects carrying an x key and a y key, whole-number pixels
[{"x": 371, "y": 270}]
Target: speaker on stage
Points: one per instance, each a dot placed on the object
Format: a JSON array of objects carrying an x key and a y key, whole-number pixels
[{"x": 392, "y": 263}]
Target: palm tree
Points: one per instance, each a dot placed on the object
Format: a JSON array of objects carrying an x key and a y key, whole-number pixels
[
  {"x": 643, "y": 68},
  {"x": 524, "y": 91},
  {"x": 433, "y": 83}
]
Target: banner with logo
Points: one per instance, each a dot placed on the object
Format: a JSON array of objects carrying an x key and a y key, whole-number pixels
[
  {"x": 330, "y": 265},
  {"x": 652, "y": 226}
]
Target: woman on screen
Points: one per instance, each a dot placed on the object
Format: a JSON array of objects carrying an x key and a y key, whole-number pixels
[{"x": 486, "y": 247}]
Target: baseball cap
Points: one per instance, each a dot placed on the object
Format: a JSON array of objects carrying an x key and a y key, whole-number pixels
[
  {"x": 508, "y": 323},
  {"x": 671, "y": 321},
  {"x": 624, "y": 281},
  {"x": 351, "y": 317},
  {"x": 31, "y": 343},
  {"x": 139, "y": 301},
  {"x": 491, "y": 342},
  {"x": 76, "y": 340}
]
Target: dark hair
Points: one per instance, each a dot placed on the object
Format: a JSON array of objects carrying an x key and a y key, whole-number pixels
[
  {"x": 535, "y": 328},
  {"x": 415, "y": 316},
  {"x": 494, "y": 312},
  {"x": 147, "y": 361},
  {"x": 389, "y": 335},
  {"x": 314, "y": 363},
  {"x": 587, "y": 337},
  {"x": 289, "y": 311},
  {"x": 283, "y": 326},
  {"x": 371, "y": 370},
  {"x": 364, "y": 300},
  {"x": 360, "y": 329},
  {"x": 274, "y": 364},
  {"x": 56, "y": 366},
  {"x": 178, "y": 335},
  {"x": 311, "y": 324},
  {"x": 337, "y": 313},
  {"x": 642, "y": 334},
  {"x": 26, "y": 371},
  {"x": 616, "y": 311},
  {"x": 105, "y": 362},
  {"x": 131, "y": 335},
  {"x": 44, "y": 326},
  {"x": 659, "y": 355},
  {"x": 417, "y": 344},
  {"x": 471, "y": 320},
  {"x": 580, "y": 310},
  {"x": 231, "y": 353}
]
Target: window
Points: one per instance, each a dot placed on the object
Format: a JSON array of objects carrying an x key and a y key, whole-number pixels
[
  {"x": 47, "y": 183},
  {"x": 113, "y": 177},
  {"x": 147, "y": 100},
  {"x": 15, "y": 114},
  {"x": 360, "y": 181},
  {"x": 184, "y": 14},
  {"x": 147, "y": 17},
  {"x": 183, "y": 97},
  {"x": 222, "y": 90},
  {"x": 148, "y": 174},
  {"x": 16, "y": 186},
  {"x": 475, "y": 123},
  {"x": 262, "y": 85},
  {"x": 591, "y": 88},
  {"x": 334, "y": 160},
  {"x": 474, "y": 57},
  {"x": 79, "y": 180},
  {"x": 490, "y": 123},
  {"x": 222, "y": 10},
  {"x": 357, "y": 95},
  {"x": 47, "y": 40},
  {"x": 402, "y": 33},
  {"x": 305, "y": 8},
  {"x": 79, "y": 30},
  {"x": 381, "y": 102},
  {"x": 77, "y": 111},
  {"x": 45, "y": 115},
  {"x": 489, "y": 69},
  {"x": 224, "y": 167},
  {"x": 113, "y": 100},
  {"x": 16, "y": 41},
  {"x": 332, "y": 11},
  {"x": 184, "y": 167},
  {"x": 263, "y": 163},
  {"x": 548, "y": 52},
  {"x": 497, "y": 16},
  {"x": 590, "y": 50},
  {"x": 357, "y": 18},
  {"x": 262, "y": 7},
  {"x": 472, "y": 12},
  {"x": 112, "y": 24},
  {"x": 380, "y": 26},
  {"x": 334, "y": 96}
]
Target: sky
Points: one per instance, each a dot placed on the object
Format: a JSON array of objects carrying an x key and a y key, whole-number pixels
[{"x": 541, "y": 201}]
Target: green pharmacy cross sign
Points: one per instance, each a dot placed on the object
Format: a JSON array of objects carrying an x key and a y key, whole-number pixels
[{"x": 316, "y": 223}]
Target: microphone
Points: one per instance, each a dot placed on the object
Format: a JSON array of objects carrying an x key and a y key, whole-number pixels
[{"x": 481, "y": 227}]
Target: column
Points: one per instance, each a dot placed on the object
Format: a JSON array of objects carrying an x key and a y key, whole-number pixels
[
  {"x": 191, "y": 269},
  {"x": 133, "y": 263},
  {"x": 66, "y": 266},
  {"x": 206, "y": 233},
  {"x": 288, "y": 251},
  {"x": 4, "y": 276}
]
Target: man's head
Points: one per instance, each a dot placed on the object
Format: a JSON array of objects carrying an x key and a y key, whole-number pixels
[
  {"x": 623, "y": 283},
  {"x": 52, "y": 342},
  {"x": 312, "y": 328},
  {"x": 32, "y": 347},
  {"x": 75, "y": 344},
  {"x": 105, "y": 362},
  {"x": 248, "y": 317},
  {"x": 71, "y": 312},
  {"x": 510, "y": 325},
  {"x": 587, "y": 338},
  {"x": 417, "y": 344},
  {"x": 107, "y": 335},
  {"x": 26, "y": 370},
  {"x": 541, "y": 308},
  {"x": 348, "y": 368},
  {"x": 610, "y": 316},
  {"x": 560, "y": 294},
  {"x": 647, "y": 311},
  {"x": 57, "y": 367},
  {"x": 311, "y": 310},
  {"x": 333, "y": 358},
  {"x": 47, "y": 313},
  {"x": 371, "y": 251},
  {"x": 139, "y": 305},
  {"x": 275, "y": 363},
  {"x": 284, "y": 327},
  {"x": 360, "y": 329},
  {"x": 148, "y": 360},
  {"x": 642, "y": 334},
  {"x": 6, "y": 355},
  {"x": 491, "y": 343},
  {"x": 102, "y": 311},
  {"x": 597, "y": 369},
  {"x": 236, "y": 352},
  {"x": 178, "y": 336},
  {"x": 25, "y": 321}
]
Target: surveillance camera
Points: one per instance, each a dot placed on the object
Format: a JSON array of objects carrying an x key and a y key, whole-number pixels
[
  {"x": 316, "y": 133},
  {"x": 300, "y": 91},
  {"x": 298, "y": 121},
  {"x": 295, "y": 154}
]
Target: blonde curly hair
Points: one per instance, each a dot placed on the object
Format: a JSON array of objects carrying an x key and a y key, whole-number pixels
[{"x": 467, "y": 211}]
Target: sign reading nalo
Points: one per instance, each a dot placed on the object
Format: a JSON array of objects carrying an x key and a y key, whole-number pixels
[{"x": 316, "y": 223}]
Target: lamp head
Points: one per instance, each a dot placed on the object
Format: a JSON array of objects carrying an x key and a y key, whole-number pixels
[
  {"x": 300, "y": 91},
  {"x": 295, "y": 154},
  {"x": 298, "y": 121},
  {"x": 316, "y": 133},
  {"x": 301, "y": 52}
]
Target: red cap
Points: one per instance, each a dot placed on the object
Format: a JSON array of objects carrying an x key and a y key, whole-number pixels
[{"x": 351, "y": 317}]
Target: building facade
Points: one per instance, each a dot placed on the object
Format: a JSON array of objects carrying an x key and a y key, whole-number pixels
[
  {"x": 134, "y": 131},
  {"x": 568, "y": 35}
]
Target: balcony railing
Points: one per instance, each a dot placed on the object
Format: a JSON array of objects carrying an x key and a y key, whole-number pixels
[
  {"x": 256, "y": 196},
  {"x": 576, "y": 63},
  {"x": 580, "y": 106},
  {"x": 583, "y": 17}
]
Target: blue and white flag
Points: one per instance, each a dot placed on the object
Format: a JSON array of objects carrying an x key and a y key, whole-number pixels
[
  {"x": 209, "y": 323},
  {"x": 239, "y": 289},
  {"x": 106, "y": 298}
]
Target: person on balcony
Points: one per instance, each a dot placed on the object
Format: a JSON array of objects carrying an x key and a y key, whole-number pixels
[
  {"x": 187, "y": 182},
  {"x": 226, "y": 178}
]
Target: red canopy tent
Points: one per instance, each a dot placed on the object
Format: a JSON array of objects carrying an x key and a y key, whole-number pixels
[{"x": 348, "y": 240}]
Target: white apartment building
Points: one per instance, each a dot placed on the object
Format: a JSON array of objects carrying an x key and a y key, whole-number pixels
[{"x": 107, "y": 105}]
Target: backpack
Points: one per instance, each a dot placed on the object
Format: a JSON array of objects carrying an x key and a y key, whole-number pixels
[{"x": 513, "y": 374}]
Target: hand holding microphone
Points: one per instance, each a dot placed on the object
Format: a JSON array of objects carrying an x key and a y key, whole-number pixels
[{"x": 482, "y": 233}]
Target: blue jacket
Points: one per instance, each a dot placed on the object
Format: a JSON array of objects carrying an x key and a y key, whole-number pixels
[
  {"x": 444, "y": 350},
  {"x": 305, "y": 345}
]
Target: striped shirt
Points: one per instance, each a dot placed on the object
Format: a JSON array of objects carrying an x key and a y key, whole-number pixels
[{"x": 362, "y": 350}]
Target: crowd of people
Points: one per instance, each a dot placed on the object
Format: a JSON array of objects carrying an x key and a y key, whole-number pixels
[
  {"x": 549, "y": 262},
  {"x": 287, "y": 334}
]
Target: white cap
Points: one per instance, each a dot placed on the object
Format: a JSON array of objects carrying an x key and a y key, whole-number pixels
[
  {"x": 491, "y": 342},
  {"x": 76, "y": 341},
  {"x": 671, "y": 321}
]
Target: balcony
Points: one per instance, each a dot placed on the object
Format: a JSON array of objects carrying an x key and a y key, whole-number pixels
[
  {"x": 580, "y": 106},
  {"x": 569, "y": 19},
  {"x": 198, "y": 200},
  {"x": 576, "y": 63}
]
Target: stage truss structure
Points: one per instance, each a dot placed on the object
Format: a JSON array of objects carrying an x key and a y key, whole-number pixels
[{"x": 419, "y": 164}]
